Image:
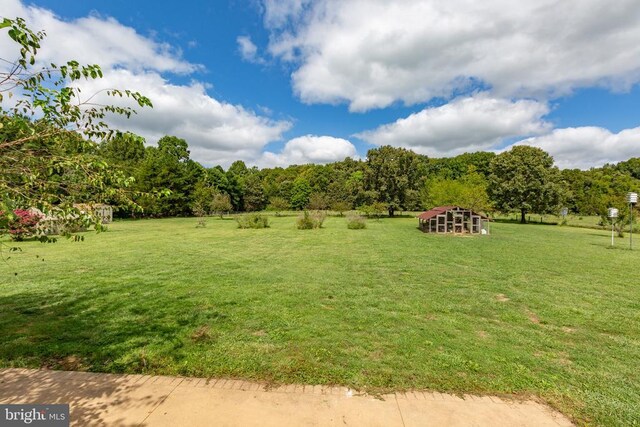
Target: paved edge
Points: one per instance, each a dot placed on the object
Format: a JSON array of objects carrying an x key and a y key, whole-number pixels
[{"x": 45, "y": 378}]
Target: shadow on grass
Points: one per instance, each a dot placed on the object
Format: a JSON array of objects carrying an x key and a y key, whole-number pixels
[
  {"x": 513, "y": 221},
  {"x": 618, "y": 246},
  {"x": 88, "y": 331},
  {"x": 62, "y": 330}
]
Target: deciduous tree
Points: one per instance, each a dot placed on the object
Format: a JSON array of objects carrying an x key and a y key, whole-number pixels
[
  {"x": 300, "y": 193},
  {"x": 221, "y": 204},
  {"x": 168, "y": 167},
  {"x": 395, "y": 175},
  {"x": 469, "y": 191},
  {"x": 525, "y": 179},
  {"x": 254, "y": 197}
]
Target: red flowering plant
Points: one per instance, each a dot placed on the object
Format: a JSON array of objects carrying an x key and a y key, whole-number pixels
[{"x": 20, "y": 224}]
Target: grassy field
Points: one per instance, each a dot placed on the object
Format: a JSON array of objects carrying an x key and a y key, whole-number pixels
[{"x": 530, "y": 310}]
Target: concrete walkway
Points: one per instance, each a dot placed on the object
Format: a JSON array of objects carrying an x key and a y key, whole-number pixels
[{"x": 140, "y": 400}]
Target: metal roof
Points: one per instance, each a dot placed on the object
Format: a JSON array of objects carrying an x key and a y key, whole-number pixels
[{"x": 443, "y": 209}]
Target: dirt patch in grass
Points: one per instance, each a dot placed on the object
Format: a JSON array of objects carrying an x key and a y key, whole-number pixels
[
  {"x": 533, "y": 317},
  {"x": 502, "y": 298},
  {"x": 66, "y": 363}
]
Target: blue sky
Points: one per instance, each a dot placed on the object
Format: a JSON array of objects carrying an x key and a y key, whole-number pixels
[{"x": 325, "y": 79}]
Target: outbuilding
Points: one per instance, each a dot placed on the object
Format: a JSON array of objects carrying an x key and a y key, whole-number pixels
[
  {"x": 98, "y": 210},
  {"x": 453, "y": 219}
]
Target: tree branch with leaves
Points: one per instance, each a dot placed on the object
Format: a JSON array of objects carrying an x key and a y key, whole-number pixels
[{"x": 49, "y": 133}]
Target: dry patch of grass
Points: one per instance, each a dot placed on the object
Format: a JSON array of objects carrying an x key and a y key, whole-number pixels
[
  {"x": 202, "y": 333},
  {"x": 532, "y": 317}
]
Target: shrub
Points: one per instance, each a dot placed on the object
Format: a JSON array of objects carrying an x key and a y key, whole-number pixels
[
  {"x": 22, "y": 224},
  {"x": 304, "y": 222},
  {"x": 253, "y": 220},
  {"x": 356, "y": 222},
  {"x": 319, "y": 218},
  {"x": 200, "y": 213},
  {"x": 308, "y": 221},
  {"x": 199, "y": 210}
]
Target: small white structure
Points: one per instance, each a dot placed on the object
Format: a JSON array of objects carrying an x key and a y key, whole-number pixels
[
  {"x": 56, "y": 220},
  {"x": 105, "y": 212},
  {"x": 99, "y": 210}
]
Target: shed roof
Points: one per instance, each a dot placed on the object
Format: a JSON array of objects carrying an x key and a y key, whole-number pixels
[{"x": 439, "y": 210}]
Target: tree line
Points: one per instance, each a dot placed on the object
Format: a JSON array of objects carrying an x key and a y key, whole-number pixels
[{"x": 523, "y": 179}]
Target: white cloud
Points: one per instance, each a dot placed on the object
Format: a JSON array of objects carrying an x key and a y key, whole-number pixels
[
  {"x": 586, "y": 147},
  {"x": 475, "y": 123},
  {"x": 248, "y": 50},
  {"x": 371, "y": 53},
  {"x": 278, "y": 12},
  {"x": 485, "y": 123},
  {"x": 309, "y": 149},
  {"x": 96, "y": 40},
  {"x": 217, "y": 132}
]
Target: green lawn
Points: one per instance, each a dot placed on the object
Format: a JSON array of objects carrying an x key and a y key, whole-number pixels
[
  {"x": 532, "y": 309},
  {"x": 584, "y": 221}
]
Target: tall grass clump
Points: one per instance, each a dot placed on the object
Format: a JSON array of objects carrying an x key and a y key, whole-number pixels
[
  {"x": 253, "y": 220},
  {"x": 356, "y": 222},
  {"x": 309, "y": 221}
]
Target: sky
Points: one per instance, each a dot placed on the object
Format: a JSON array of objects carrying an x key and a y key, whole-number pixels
[{"x": 280, "y": 82}]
